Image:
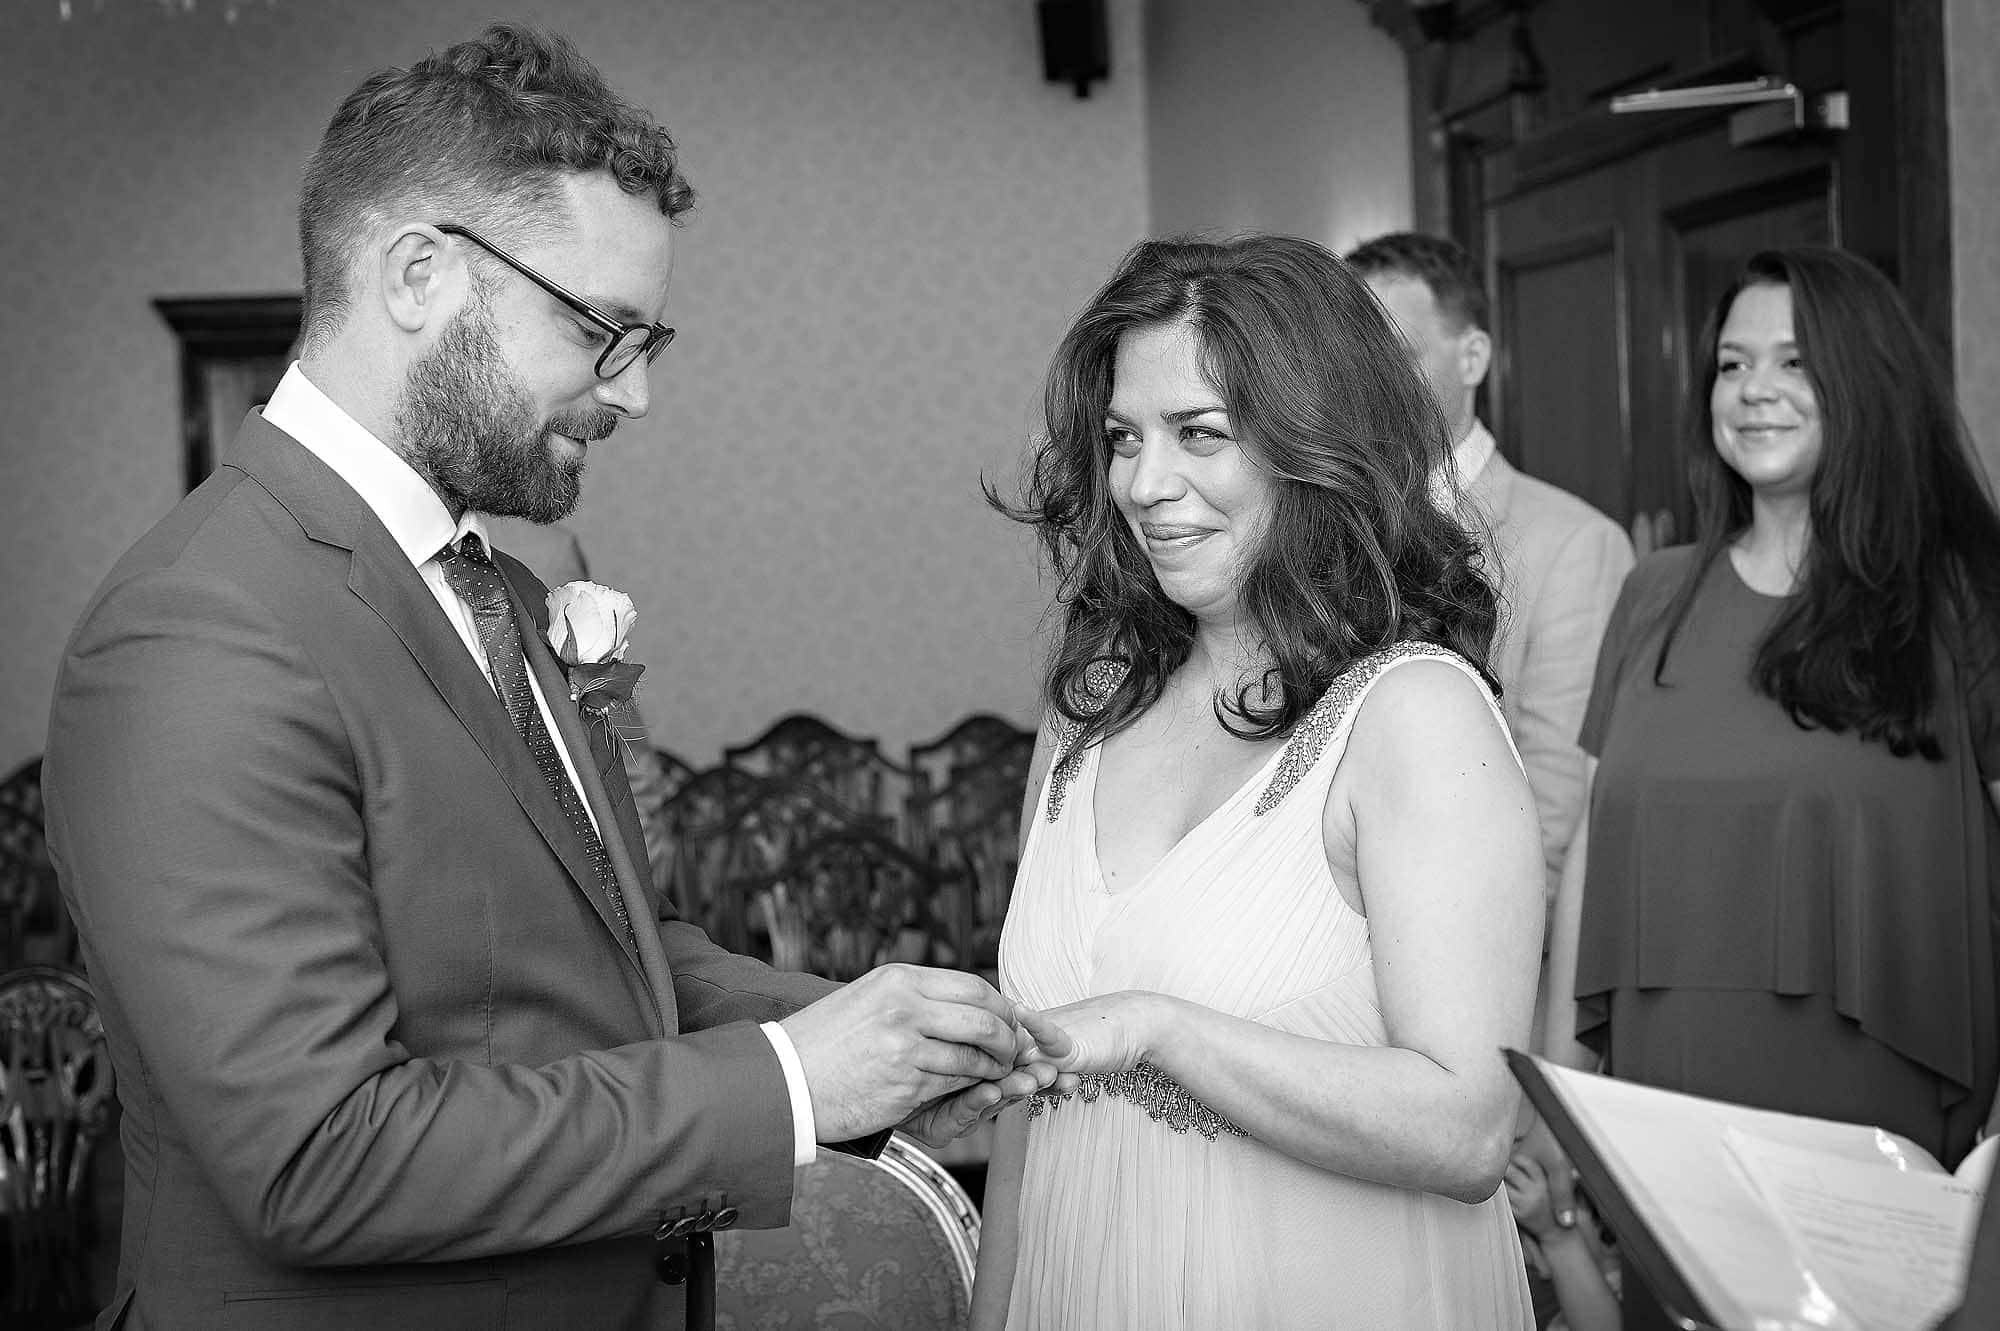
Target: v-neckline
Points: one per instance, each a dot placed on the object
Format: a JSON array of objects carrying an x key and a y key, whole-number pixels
[{"x": 1255, "y": 781}]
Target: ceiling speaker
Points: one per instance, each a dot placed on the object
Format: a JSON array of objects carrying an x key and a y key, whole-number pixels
[{"x": 1076, "y": 43}]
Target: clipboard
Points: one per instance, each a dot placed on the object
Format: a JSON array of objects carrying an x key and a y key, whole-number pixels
[{"x": 1638, "y": 1245}]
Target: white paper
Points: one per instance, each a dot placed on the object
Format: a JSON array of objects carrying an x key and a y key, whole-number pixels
[
  {"x": 1977, "y": 1168},
  {"x": 1889, "y": 1247},
  {"x": 1730, "y": 1248}
]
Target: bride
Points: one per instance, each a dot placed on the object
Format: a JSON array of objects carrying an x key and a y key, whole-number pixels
[{"x": 1281, "y": 879}]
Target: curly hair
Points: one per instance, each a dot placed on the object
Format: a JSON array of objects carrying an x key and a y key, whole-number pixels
[
  {"x": 482, "y": 134},
  {"x": 1904, "y": 555},
  {"x": 1320, "y": 390}
]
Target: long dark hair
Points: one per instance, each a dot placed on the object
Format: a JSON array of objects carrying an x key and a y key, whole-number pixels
[
  {"x": 1904, "y": 555},
  {"x": 1321, "y": 391}
]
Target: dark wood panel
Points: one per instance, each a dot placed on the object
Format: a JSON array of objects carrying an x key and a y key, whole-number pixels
[
  {"x": 1511, "y": 96},
  {"x": 1565, "y": 407},
  {"x": 233, "y": 351}
]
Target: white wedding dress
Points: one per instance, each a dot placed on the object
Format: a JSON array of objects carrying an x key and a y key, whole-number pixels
[{"x": 1131, "y": 1222}]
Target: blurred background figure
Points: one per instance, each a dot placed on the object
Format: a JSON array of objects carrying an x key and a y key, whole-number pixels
[
  {"x": 1558, "y": 561},
  {"x": 1784, "y": 893},
  {"x": 1565, "y": 1246},
  {"x": 1284, "y": 876}
]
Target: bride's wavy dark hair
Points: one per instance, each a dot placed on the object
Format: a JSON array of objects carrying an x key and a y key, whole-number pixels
[
  {"x": 1904, "y": 554},
  {"x": 1322, "y": 394}
]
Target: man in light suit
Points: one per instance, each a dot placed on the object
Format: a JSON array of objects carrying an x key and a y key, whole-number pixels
[
  {"x": 1560, "y": 561},
  {"x": 404, "y": 1038}
]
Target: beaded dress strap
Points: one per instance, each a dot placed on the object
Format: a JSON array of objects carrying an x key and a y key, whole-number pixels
[
  {"x": 1165, "y": 1100},
  {"x": 1302, "y": 750},
  {"x": 1309, "y": 740},
  {"x": 1100, "y": 677}
]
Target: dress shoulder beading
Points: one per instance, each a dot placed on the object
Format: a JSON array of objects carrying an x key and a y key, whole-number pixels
[{"x": 1330, "y": 712}]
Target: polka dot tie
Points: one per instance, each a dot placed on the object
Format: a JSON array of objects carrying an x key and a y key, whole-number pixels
[{"x": 477, "y": 580}]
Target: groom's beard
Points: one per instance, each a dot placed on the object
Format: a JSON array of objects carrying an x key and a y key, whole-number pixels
[{"x": 467, "y": 427}]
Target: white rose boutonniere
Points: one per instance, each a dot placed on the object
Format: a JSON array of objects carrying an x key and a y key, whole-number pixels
[{"x": 589, "y": 628}]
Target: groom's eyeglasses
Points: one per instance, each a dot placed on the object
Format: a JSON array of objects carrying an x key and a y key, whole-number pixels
[{"x": 628, "y": 341}]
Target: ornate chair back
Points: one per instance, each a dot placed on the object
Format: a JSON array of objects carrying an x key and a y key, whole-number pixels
[
  {"x": 851, "y": 899},
  {"x": 731, "y": 830},
  {"x": 674, "y": 772},
  {"x": 968, "y": 817},
  {"x": 968, "y": 742},
  {"x": 877, "y": 1243},
  {"x": 849, "y": 769},
  {"x": 29, "y": 901},
  {"x": 55, "y": 1104},
  {"x": 656, "y": 776},
  {"x": 700, "y": 821}
]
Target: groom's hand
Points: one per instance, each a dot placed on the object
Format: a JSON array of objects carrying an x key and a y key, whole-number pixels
[
  {"x": 897, "y": 1039},
  {"x": 951, "y": 1116}
]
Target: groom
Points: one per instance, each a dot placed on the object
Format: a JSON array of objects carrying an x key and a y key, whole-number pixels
[{"x": 403, "y": 1035}]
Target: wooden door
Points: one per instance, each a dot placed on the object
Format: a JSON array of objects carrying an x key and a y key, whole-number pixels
[
  {"x": 1602, "y": 278},
  {"x": 1606, "y": 236}
]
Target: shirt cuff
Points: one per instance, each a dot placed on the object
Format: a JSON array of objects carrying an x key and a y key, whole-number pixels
[{"x": 805, "y": 1139}]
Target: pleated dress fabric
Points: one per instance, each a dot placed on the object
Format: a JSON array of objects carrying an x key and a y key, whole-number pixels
[
  {"x": 1792, "y": 919},
  {"x": 1126, "y": 1222}
]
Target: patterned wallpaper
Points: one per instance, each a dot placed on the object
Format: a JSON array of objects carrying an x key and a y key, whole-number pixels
[
  {"x": 1972, "y": 36},
  {"x": 897, "y": 217},
  {"x": 1316, "y": 139}
]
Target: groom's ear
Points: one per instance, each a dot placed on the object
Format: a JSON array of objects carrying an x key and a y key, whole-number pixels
[{"x": 418, "y": 272}]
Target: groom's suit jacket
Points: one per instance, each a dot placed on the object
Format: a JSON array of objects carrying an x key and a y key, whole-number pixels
[{"x": 384, "y": 1056}]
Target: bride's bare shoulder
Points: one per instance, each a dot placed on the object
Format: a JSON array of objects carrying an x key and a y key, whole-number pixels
[{"x": 1427, "y": 715}]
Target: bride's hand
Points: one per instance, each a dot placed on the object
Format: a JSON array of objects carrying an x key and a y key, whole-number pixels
[
  {"x": 1102, "y": 1033},
  {"x": 950, "y": 1117}
]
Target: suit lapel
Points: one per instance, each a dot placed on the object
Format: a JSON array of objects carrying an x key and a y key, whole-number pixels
[
  {"x": 329, "y": 511},
  {"x": 627, "y": 848},
  {"x": 589, "y": 747},
  {"x": 606, "y": 751},
  {"x": 394, "y": 590}
]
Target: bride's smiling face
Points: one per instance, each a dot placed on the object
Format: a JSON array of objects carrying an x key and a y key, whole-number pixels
[{"x": 1197, "y": 502}]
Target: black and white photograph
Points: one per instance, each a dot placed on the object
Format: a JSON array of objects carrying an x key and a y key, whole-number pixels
[{"x": 1000, "y": 665}]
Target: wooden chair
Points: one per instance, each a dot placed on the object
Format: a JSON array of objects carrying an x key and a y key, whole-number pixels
[
  {"x": 884, "y": 1243},
  {"x": 850, "y": 769},
  {"x": 731, "y": 830},
  {"x": 55, "y": 1105},
  {"x": 674, "y": 772},
  {"x": 970, "y": 820},
  {"x": 655, "y": 776},
  {"x": 699, "y": 821},
  {"x": 34, "y": 925},
  {"x": 934, "y": 764},
  {"x": 968, "y": 742},
  {"x": 852, "y": 899}
]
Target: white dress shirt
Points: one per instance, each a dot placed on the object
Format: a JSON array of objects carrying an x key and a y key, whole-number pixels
[
  {"x": 1468, "y": 459},
  {"x": 1472, "y": 454},
  {"x": 422, "y": 526}
]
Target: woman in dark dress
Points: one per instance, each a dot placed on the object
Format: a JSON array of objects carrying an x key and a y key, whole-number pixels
[{"x": 1786, "y": 892}]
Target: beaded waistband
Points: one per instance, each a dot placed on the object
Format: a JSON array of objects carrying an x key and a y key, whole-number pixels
[{"x": 1164, "y": 1100}]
